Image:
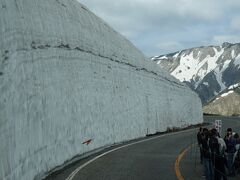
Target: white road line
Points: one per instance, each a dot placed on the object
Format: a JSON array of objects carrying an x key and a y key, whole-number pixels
[{"x": 71, "y": 176}]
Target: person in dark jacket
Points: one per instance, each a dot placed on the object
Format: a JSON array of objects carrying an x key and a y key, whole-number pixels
[
  {"x": 207, "y": 163},
  {"x": 231, "y": 149},
  {"x": 199, "y": 139}
]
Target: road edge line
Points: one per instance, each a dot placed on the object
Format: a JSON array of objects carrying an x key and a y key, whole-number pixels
[{"x": 71, "y": 176}]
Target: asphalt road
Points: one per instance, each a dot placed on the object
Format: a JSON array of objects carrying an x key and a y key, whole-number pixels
[{"x": 150, "y": 160}]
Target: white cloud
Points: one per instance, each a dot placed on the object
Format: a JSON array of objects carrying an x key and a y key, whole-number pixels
[
  {"x": 152, "y": 10},
  {"x": 202, "y": 10},
  {"x": 169, "y": 46},
  {"x": 219, "y": 39},
  {"x": 235, "y": 23},
  {"x": 166, "y": 22}
]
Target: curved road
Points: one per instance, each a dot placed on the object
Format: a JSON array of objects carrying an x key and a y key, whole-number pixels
[{"x": 151, "y": 159}]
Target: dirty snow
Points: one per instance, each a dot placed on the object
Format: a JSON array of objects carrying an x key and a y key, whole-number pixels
[{"x": 227, "y": 93}]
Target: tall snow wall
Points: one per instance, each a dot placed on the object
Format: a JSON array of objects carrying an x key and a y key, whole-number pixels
[{"x": 66, "y": 77}]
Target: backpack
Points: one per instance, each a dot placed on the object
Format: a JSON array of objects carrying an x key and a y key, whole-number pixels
[{"x": 214, "y": 145}]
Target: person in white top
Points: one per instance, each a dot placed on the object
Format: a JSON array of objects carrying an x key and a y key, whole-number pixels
[{"x": 222, "y": 144}]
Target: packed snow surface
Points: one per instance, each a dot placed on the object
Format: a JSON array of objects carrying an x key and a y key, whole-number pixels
[
  {"x": 234, "y": 86},
  {"x": 66, "y": 77}
]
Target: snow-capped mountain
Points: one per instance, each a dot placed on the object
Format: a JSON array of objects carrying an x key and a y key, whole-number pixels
[
  {"x": 208, "y": 70},
  {"x": 226, "y": 103}
]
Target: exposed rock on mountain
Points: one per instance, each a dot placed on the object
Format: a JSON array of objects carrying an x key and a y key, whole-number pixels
[
  {"x": 207, "y": 70},
  {"x": 226, "y": 104},
  {"x": 66, "y": 78}
]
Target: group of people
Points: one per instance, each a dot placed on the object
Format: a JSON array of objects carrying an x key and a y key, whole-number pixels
[{"x": 218, "y": 154}]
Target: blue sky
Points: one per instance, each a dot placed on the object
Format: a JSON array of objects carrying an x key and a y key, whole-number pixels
[{"x": 163, "y": 26}]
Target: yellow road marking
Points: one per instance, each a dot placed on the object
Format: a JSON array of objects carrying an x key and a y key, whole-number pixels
[{"x": 177, "y": 163}]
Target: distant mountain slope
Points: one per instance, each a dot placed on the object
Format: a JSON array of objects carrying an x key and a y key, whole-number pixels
[
  {"x": 208, "y": 70},
  {"x": 226, "y": 103}
]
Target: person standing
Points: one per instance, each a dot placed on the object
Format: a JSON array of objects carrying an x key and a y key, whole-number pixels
[
  {"x": 199, "y": 139},
  {"x": 207, "y": 163},
  {"x": 237, "y": 153},
  {"x": 217, "y": 147},
  {"x": 231, "y": 149}
]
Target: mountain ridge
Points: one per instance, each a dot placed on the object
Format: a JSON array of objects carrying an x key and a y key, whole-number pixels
[{"x": 208, "y": 70}]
